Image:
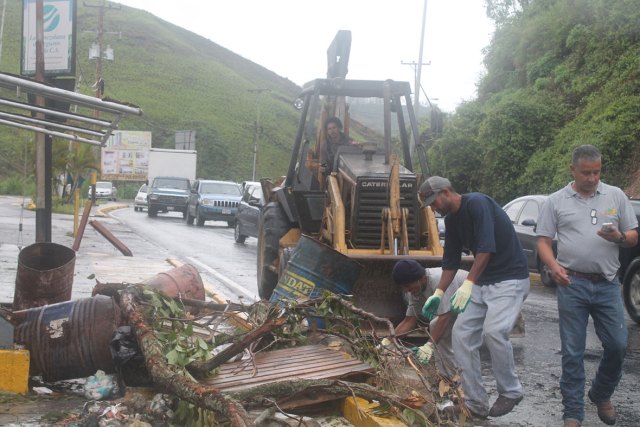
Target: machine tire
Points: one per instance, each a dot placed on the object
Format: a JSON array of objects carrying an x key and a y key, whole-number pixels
[
  {"x": 239, "y": 238},
  {"x": 545, "y": 275},
  {"x": 631, "y": 290},
  {"x": 152, "y": 212},
  {"x": 184, "y": 214},
  {"x": 272, "y": 226},
  {"x": 199, "y": 219},
  {"x": 189, "y": 218}
]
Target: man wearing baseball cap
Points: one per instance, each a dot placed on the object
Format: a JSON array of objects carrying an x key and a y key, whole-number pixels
[
  {"x": 491, "y": 296},
  {"x": 418, "y": 284}
]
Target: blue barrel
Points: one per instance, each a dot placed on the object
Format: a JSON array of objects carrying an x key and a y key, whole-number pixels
[{"x": 313, "y": 268}]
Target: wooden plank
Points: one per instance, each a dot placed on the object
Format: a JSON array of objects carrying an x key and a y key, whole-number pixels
[
  {"x": 308, "y": 362},
  {"x": 328, "y": 371},
  {"x": 269, "y": 362}
]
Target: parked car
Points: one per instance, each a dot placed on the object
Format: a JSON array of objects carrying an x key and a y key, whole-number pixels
[
  {"x": 244, "y": 184},
  {"x": 249, "y": 212},
  {"x": 523, "y": 213},
  {"x": 104, "y": 190},
  {"x": 140, "y": 202},
  {"x": 168, "y": 193},
  {"x": 213, "y": 200},
  {"x": 630, "y": 273}
]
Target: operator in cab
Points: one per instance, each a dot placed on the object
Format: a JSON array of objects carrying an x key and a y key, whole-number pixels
[{"x": 335, "y": 138}]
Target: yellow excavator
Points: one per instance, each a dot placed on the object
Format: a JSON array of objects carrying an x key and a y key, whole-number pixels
[{"x": 368, "y": 207}]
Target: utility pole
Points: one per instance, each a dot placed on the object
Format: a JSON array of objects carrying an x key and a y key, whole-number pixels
[
  {"x": 4, "y": 8},
  {"x": 99, "y": 85},
  {"x": 419, "y": 69},
  {"x": 256, "y": 138},
  {"x": 41, "y": 175}
]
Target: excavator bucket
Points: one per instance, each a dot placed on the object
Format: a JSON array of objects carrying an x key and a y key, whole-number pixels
[{"x": 375, "y": 291}]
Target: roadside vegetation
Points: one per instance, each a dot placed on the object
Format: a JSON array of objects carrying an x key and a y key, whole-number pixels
[{"x": 559, "y": 74}]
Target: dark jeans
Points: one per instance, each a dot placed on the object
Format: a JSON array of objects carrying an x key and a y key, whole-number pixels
[{"x": 603, "y": 302}]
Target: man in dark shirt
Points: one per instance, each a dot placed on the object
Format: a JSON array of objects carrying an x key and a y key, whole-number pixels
[
  {"x": 335, "y": 138},
  {"x": 489, "y": 300}
]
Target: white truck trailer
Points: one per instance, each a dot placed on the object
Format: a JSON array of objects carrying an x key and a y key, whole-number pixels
[{"x": 168, "y": 162}]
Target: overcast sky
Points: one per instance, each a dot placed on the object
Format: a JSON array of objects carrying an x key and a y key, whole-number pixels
[{"x": 290, "y": 37}]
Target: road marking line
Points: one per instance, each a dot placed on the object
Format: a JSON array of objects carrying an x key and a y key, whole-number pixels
[{"x": 225, "y": 280}]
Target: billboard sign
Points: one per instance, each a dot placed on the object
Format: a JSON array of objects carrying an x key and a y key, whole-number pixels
[
  {"x": 126, "y": 156},
  {"x": 59, "y": 25}
]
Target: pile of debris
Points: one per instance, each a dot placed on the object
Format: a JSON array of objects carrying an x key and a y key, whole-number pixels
[{"x": 159, "y": 354}]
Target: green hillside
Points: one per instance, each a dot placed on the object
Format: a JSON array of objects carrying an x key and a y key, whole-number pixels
[
  {"x": 559, "y": 74},
  {"x": 181, "y": 81}
]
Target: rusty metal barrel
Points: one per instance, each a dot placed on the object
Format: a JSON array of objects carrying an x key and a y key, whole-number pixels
[
  {"x": 183, "y": 281},
  {"x": 314, "y": 267},
  {"x": 44, "y": 276},
  {"x": 70, "y": 339}
]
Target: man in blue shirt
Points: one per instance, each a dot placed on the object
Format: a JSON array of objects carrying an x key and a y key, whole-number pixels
[{"x": 489, "y": 300}]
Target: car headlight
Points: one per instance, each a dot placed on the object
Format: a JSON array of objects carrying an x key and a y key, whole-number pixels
[
  {"x": 207, "y": 202},
  {"x": 153, "y": 197}
]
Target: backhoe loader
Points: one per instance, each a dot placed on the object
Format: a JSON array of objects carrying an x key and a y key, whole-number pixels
[{"x": 368, "y": 206}]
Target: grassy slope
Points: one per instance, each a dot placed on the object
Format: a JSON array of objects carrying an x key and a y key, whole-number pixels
[{"x": 181, "y": 81}]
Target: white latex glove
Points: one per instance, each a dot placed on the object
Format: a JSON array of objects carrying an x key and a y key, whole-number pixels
[
  {"x": 461, "y": 298},
  {"x": 424, "y": 353},
  {"x": 431, "y": 306}
]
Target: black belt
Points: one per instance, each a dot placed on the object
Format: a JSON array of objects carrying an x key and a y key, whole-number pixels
[{"x": 592, "y": 277}]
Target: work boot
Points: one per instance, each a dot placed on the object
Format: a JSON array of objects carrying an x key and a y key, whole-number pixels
[
  {"x": 571, "y": 423},
  {"x": 503, "y": 405},
  {"x": 606, "y": 410}
]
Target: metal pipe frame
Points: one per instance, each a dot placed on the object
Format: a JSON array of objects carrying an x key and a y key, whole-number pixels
[
  {"x": 51, "y": 92},
  {"x": 25, "y": 119},
  {"x": 70, "y": 116},
  {"x": 51, "y": 132}
]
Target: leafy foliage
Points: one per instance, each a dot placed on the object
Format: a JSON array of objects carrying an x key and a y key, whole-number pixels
[
  {"x": 175, "y": 332},
  {"x": 559, "y": 74}
]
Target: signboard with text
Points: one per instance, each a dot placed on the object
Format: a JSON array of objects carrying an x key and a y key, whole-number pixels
[
  {"x": 59, "y": 25},
  {"x": 126, "y": 156}
]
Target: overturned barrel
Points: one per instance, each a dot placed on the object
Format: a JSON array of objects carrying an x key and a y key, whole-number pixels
[
  {"x": 44, "y": 276},
  {"x": 183, "y": 281},
  {"x": 70, "y": 339},
  {"x": 314, "y": 267}
]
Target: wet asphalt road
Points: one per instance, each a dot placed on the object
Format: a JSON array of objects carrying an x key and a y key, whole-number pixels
[{"x": 231, "y": 267}]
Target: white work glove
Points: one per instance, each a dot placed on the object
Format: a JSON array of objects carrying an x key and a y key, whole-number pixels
[
  {"x": 424, "y": 353},
  {"x": 385, "y": 344},
  {"x": 431, "y": 306},
  {"x": 461, "y": 298}
]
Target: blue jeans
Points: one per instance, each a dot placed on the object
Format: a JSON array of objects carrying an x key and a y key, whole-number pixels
[
  {"x": 489, "y": 317},
  {"x": 603, "y": 302}
]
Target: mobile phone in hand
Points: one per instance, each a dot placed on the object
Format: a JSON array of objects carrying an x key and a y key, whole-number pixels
[{"x": 607, "y": 226}]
